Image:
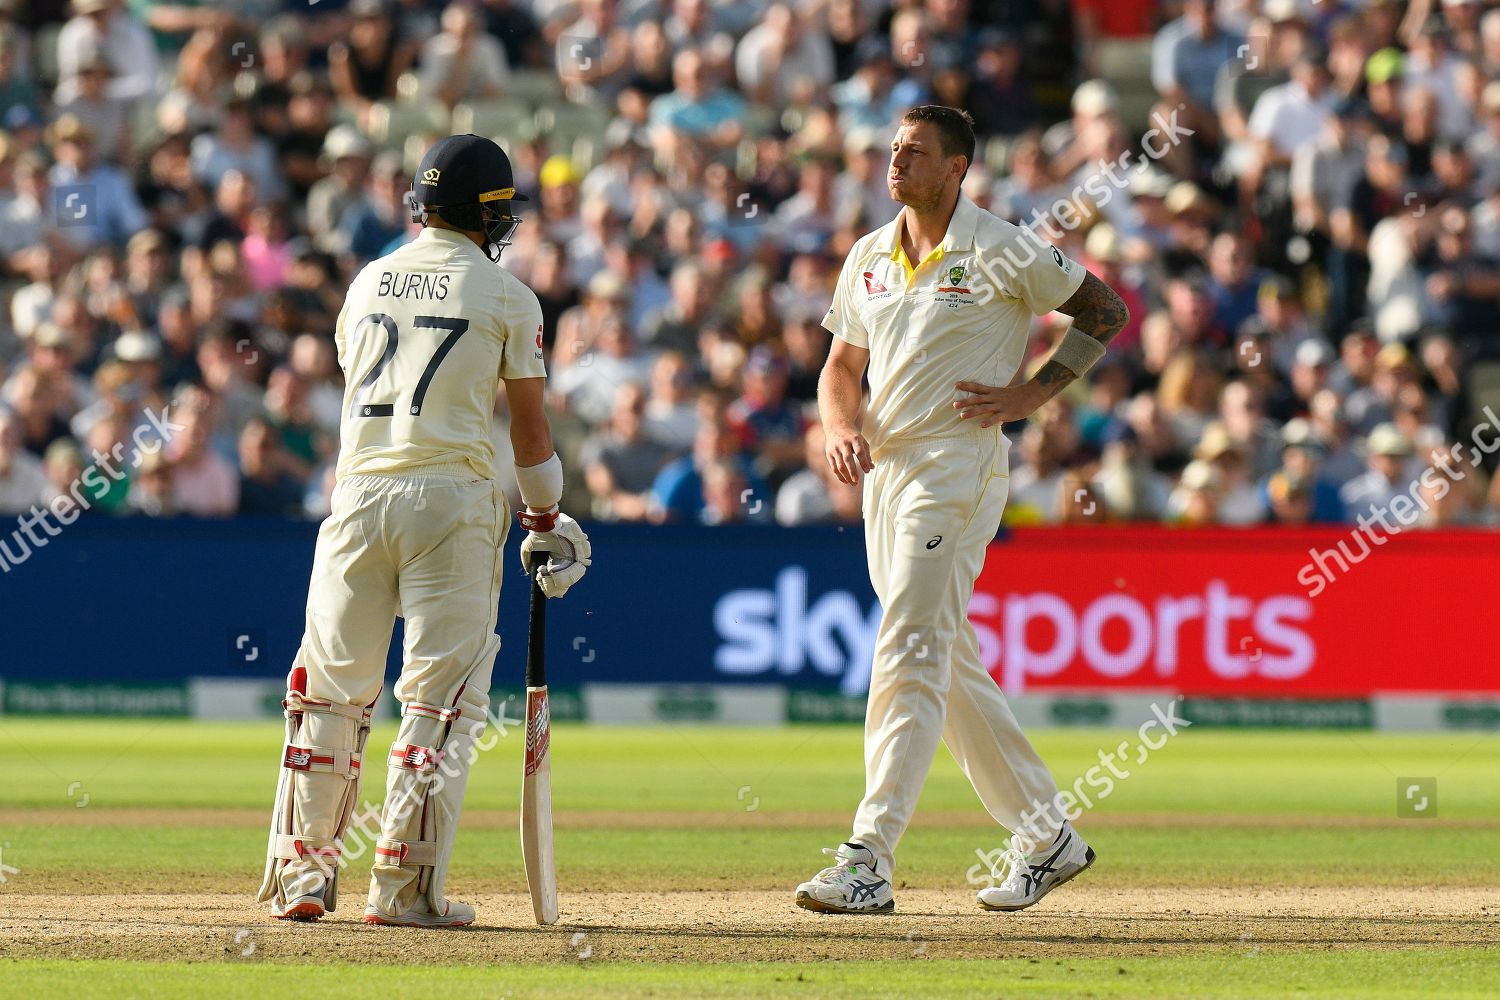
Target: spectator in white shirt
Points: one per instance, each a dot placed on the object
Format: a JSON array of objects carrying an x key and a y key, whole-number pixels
[
  {"x": 462, "y": 63},
  {"x": 105, "y": 27}
]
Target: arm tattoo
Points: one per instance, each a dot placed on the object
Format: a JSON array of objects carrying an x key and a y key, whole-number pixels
[
  {"x": 1098, "y": 312},
  {"x": 1096, "y": 309},
  {"x": 1054, "y": 376}
]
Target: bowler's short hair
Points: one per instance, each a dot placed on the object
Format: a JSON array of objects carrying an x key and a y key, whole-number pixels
[{"x": 955, "y": 128}]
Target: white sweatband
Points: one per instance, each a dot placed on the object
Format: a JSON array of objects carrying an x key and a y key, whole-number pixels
[
  {"x": 1078, "y": 352},
  {"x": 541, "y": 485}
]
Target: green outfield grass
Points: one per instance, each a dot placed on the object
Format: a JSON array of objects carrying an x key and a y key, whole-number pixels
[
  {"x": 94, "y": 806},
  {"x": 1376, "y": 976}
]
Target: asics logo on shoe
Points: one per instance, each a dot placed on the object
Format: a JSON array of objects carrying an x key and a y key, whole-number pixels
[
  {"x": 1042, "y": 868},
  {"x": 860, "y": 891}
]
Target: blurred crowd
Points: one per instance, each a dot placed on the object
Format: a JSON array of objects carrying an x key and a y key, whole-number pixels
[{"x": 1299, "y": 201}]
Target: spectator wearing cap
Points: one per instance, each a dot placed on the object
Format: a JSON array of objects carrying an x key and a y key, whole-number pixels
[
  {"x": 1304, "y": 457},
  {"x": 148, "y": 273},
  {"x": 865, "y": 98},
  {"x": 461, "y": 62},
  {"x": 768, "y": 422},
  {"x": 23, "y": 481},
  {"x": 106, "y": 117},
  {"x": 346, "y": 157},
  {"x": 782, "y": 56},
  {"x": 813, "y": 494},
  {"x": 620, "y": 460},
  {"x": 559, "y": 181},
  {"x": 104, "y": 208},
  {"x": 1197, "y": 502},
  {"x": 371, "y": 225},
  {"x": 1388, "y": 455},
  {"x": 1384, "y": 72},
  {"x": 1239, "y": 500},
  {"x": 105, "y": 26},
  {"x": 1308, "y": 373},
  {"x": 1432, "y": 65},
  {"x": 1185, "y": 60}
]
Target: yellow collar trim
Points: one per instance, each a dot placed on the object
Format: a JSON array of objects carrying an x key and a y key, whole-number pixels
[{"x": 899, "y": 256}]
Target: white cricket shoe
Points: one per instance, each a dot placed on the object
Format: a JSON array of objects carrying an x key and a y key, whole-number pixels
[
  {"x": 422, "y": 915},
  {"x": 306, "y": 908},
  {"x": 1032, "y": 877},
  {"x": 850, "y": 886}
]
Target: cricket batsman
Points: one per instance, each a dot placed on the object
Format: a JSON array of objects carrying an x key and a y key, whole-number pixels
[
  {"x": 417, "y": 528},
  {"x": 935, "y": 307}
]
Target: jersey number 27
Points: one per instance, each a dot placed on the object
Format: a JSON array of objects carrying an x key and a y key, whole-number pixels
[{"x": 361, "y": 406}]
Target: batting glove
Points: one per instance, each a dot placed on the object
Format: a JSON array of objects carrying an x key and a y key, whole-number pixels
[{"x": 566, "y": 547}]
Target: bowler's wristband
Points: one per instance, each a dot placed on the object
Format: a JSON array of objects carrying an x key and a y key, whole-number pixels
[{"x": 1078, "y": 352}]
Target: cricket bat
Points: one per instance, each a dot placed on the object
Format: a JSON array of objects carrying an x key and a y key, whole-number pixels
[{"x": 536, "y": 783}]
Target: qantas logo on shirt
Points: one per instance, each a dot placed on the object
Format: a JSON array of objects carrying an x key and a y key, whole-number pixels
[{"x": 873, "y": 285}]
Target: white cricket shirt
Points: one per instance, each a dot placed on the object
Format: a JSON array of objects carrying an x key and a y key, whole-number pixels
[
  {"x": 961, "y": 314},
  {"x": 424, "y": 337}
]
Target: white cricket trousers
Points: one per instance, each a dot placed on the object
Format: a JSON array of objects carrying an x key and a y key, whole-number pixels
[
  {"x": 429, "y": 544},
  {"x": 931, "y": 509}
]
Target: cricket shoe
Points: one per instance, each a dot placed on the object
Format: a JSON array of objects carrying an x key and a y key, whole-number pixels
[
  {"x": 1033, "y": 876},
  {"x": 422, "y": 915},
  {"x": 850, "y": 886},
  {"x": 305, "y": 909}
]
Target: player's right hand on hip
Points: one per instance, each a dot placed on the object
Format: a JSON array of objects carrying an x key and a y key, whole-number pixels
[
  {"x": 567, "y": 550},
  {"x": 848, "y": 455}
]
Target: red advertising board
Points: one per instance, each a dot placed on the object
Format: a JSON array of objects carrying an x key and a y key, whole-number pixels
[{"x": 1260, "y": 612}]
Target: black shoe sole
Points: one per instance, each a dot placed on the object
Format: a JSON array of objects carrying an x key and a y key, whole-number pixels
[
  {"x": 1088, "y": 861},
  {"x": 807, "y": 902}
]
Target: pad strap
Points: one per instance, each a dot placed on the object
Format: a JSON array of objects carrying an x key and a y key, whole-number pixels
[
  {"x": 290, "y": 847},
  {"x": 406, "y": 853},
  {"x": 296, "y": 701},
  {"x": 437, "y": 712},
  {"x": 414, "y": 757},
  {"x": 324, "y": 759}
]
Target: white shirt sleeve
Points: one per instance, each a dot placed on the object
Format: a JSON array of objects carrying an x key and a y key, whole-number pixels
[
  {"x": 1034, "y": 271},
  {"x": 842, "y": 320}
]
